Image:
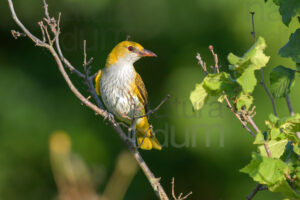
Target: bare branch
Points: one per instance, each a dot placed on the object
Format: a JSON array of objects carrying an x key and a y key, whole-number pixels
[
  {"x": 258, "y": 188},
  {"x": 180, "y": 195},
  {"x": 17, "y": 34},
  {"x": 203, "y": 64},
  {"x": 288, "y": 101},
  {"x": 253, "y": 124},
  {"x": 253, "y": 27},
  {"x": 89, "y": 81},
  {"x": 155, "y": 109},
  {"x": 262, "y": 82},
  {"x": 37, "y": 41}
]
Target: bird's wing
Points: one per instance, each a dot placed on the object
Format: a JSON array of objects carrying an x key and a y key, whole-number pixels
[
  {"x": 141, "y": 91},
  {"x": 97, "y": 82}
]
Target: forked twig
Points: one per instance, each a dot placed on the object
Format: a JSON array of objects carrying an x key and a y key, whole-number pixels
[
  {"x": 155, "y": 109},
  {"x": 180, "y": 197}
]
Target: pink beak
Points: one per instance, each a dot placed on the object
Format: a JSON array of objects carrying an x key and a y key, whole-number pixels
[{"x": 147, "y": 53}]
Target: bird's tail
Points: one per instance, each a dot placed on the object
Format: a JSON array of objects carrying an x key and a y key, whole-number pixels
[{"x": 145, "y": 136}]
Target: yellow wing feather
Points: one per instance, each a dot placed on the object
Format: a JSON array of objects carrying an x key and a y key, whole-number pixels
[
  {"x": 141, "y": 89},
  {"x": 97, "y": 82}
]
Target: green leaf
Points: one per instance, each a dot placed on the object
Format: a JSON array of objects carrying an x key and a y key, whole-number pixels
[
  {"x": 215, "y": 83},
  {"x": 221, "y": 98},
  {"x": 284, "y": 188},
  {"x": 282, "y": 80},
  {"x": 296, "y": 148},
  {"x": 290, "y": 124},
  {"x": 292, "y": 48},
  {"x": 266, "y": 170},
  {"x": 298, "y": 67},
  {"x": 253, "y": 59},
  {"x": 243, "y": 101},
  {"x": 275, "y": 133},
  {"x": 276, "y": 148},
  {"x": 259, "y": 139},
  {"x": 289, "y": 9},
  {"x": 273, "y": 119},
  {"x": 198, "y": 96},
  {"x": 247, "y": 80},
  {"x": 277, "y": 2}
]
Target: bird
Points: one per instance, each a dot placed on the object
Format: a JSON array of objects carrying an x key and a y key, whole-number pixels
[{"x": 123, "y": 91}]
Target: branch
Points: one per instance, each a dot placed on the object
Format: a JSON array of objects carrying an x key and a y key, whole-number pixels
[
  {"x": 155, "y": 109},
  {"x": 244, "y": 124},
  {"x": 253, "y": 124},
  {"x": 180, "y": 197},
  {"x": 288, "y": 101},
  {"x": 203, "y": 64},
  {"x": 59, "y": 59},
  {"x": 262, "y": 82},
  {"x": 258, "y": 188}
]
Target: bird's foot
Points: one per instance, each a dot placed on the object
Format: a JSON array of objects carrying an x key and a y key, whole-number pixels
[{"x": 110, "y": 117}]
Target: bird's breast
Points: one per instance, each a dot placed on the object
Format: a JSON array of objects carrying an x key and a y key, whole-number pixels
[{"x": 117, "y": 92}]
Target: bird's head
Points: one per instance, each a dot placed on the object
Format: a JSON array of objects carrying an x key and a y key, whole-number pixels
[{"x": 127, "y": 52}]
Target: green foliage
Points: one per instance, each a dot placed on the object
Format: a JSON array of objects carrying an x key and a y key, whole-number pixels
[
  {"x": 213, "y": 84},
  {"x": 276, "y": 148},
  {"x": 275, "y": 163},
  {"x": 253, "y": 58},
  {"x": 243, "y": 101},
  {"x": 259, "y": 139},
  {"x": 290, "y": 125},
  {"x": 292, "y": 48},
  {"x": 266, "y": 170},
  {"x": 245, "y": 66},
  {"x": 198, "y": 96},
  {"x": 239, "y": 88},
  {"x": 288, "y": 9},
  {"x": 280, "y": 132},
  {"x": 284, "y": 188},
  {"x": 282, "y": 80}
]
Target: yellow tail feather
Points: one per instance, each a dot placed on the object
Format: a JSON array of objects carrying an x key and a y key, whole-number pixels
[
  {"x": 145, "y": 136},
  {"x": 148, "y": 143}
]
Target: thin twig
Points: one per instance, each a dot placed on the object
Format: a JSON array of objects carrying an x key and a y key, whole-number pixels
[
  {"x": 253, "y": 124},
  {"x": 253, "y": 193},
  {"x": 89, "y": 81},
  {"x": 180, "y": 195},
  {"x": 145, "y": 135},
  {"x": 155, "y": 109},
  {"x": 17, "y": 34},
  {"x": 203, "y": 64},
  {"x": 262, "y": 82},
  {"x": 253, "y": 27},
  {"x": 288, "y": 101}
]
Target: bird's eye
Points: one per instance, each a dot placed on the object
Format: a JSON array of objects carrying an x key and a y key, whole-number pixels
[{"x": 130, "y": 48}]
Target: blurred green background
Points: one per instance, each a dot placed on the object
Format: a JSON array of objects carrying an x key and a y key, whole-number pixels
[{"x": 204, "y": 150}]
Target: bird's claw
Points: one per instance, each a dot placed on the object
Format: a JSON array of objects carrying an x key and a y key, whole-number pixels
[{"x": 110, "y": 117}]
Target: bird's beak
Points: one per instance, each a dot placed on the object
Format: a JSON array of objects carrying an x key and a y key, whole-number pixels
[{"x": 147, "y": 53}]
